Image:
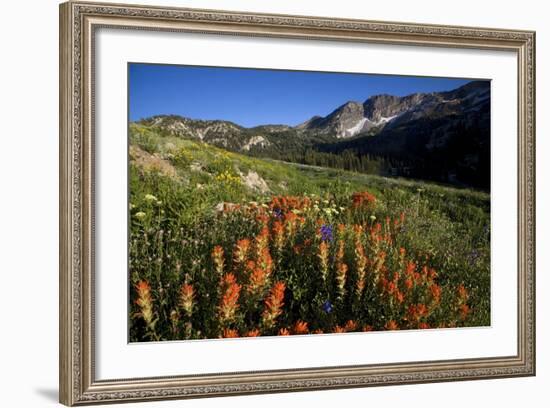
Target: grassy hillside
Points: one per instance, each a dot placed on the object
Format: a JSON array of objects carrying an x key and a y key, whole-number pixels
[{"x": 343, "y": 251}]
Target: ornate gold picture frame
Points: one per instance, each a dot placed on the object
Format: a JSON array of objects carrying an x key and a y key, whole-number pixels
[{"x": 79, "y": 22}]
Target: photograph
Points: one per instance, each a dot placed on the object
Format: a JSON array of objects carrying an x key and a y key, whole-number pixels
[{"x": 270, "y": 202}]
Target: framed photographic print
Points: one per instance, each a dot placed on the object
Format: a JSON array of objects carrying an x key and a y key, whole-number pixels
[{"x": 261, "y": 203}]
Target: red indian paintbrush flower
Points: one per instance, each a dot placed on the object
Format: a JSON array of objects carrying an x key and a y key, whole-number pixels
[
  {"x": 462, "y": 293},
  {"x": 435, "y": 290},
  {"x": 273, "y": 304},
  {"x": 283, "y": 332},
  {"x": 261, "y": 241},
  {"x": 464, "y": 310},
  {"x": 218, "y": 259},
  {"x": 323, "y": 259},
  {"x": 350, "y": 326},
  {"x": 341, "y": 274},
  {"x": 391, "y": 325},
  {"x": 363, "y": 199},
  {"x": 187, "y": 298},
  {"x": 242, "y": 249},
  {"x": 338, "y": 329},
  {"x": 257, "y": 281},
  {"x": 230, "y": 333},
  {"x": 300, "y": 327},
  {"x": 265, "y": 261},
  {"x": 230, "y": 296},
  {"x": 253, "y": 333},
  {"x": 278, "y": 235},
  {"x": 145, "y": 303},
  {"x": 360, "y": 267}
]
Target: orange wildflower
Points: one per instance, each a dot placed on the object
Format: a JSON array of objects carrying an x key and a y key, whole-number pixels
[
  {"x": 464, "y": 310},
  {"x": 423, "y": 325},
  {"x": 230, "y": 297},
  {"x": 145, "y": 302},
  {"x": 338, "y": 329},
  {"x": 257, "y": 281},
  {"x": 218, "y": 259},
  {"x": 265, "y": 261},
  {"x": 462, "y": 293},
  {"x": 350, "y": 326},
  {"x": 187, "y": 298},
  {"x": 368, "y": 328},
  {"x": 360, "y": 266},
  {"x": 242, "y": 249},
  {"x": 230, "y": 333},
  {"x": 435, "y": 290},
  {"x": 278, "y": 235},
  {"x": 253, "y": 333},
  {"x": 323, "y": 259},
  {"x": 363, "y": 199},
  {"x": 300, "y": 327},
  {"x": 399, "y": 297},
  {"x": 283, "y": 332},
  {"x": 273, "y": 304},
  {"x": 341, "y": 273},
  {"x": 391, "y": 325},
  {"x": 261, "y": 240}
]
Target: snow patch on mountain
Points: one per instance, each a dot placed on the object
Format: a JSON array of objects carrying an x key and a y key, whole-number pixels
[{"x": 352, "y": 131}]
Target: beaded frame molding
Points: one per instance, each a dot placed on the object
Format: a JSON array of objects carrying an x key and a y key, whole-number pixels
[{"x": 78, "y": 22}]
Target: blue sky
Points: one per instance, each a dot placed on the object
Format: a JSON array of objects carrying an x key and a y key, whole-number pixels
[{"x": 251, "y": 97}]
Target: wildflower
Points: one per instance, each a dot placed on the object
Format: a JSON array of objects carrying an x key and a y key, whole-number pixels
[
  {"x": 462, "y": 293},
  {"x": 283, "y": 332},
  {"x": 265, "y": 261},
  {"x": 372, "y": 217},
  {"x": 410, "y": 268},
  {"x": 368, "y": 328},
  {"x": 391, "y": 325},
  {"x": 398, "y": 296},
  {"x": 187, "y": 294},
  {"x": 257, "y": 281},
  {"x": 350, "y": 326},
  {"x": 363, "y": 199},
  {"x": 300, "y": 327},
  {"x": 145, "y": 303},
  {"x": 323, "y": 259},
  {"x": 230, "y": 333},
  {"x": 242, "y": 248},
  {"x": 273, "y": 304},
  {"x": 341, "y": 273},
  {"x": 360, "y": 266},
  {"x": 326, "y": 233},
  {"x": 278, "y": 235},
  {"x": 217, "y": 258},
  {"x": 436, "y": 292},
  {"x": 317, "y": 331},
  {"x": 230, "y": 296},
  {"x": 253, "y": 333},
  {"x": 277, "y": 213},
  {"x": 327, "y": 307},
  {"x": 464, "y": 309},
  {"x": 261, "y": 241},
  {"x": 423, "y": 325},
  {"x": 150, "y": 197},
  {"x": 338, "y": 329},
  {"x": 140, "y": 215}
]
